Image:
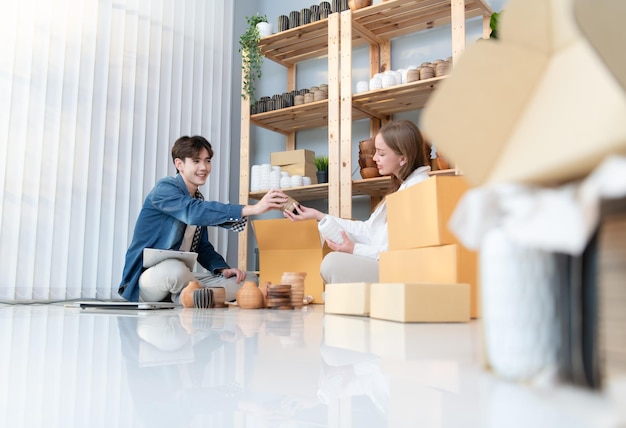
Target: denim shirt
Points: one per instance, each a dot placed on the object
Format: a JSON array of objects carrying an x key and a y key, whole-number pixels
[{"x": 162, "y": 221}]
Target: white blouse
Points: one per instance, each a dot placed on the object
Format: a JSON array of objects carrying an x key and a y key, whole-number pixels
[{"x": 370, "y": 237}]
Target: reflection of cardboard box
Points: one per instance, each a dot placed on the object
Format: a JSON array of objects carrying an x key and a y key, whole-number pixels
[
  {"x": 444, "y": 264},
  {"x": 304, "y": 169},
  {"x": 418, "y": 215},
  {"x": 288, "y": 246},
  {"x": 420, "y": 302},
  {"x": 352, "y": 333},
  {"x": 291, "y": 157},
  {"x": 348, "y": 299},
  {"x": 409, "y": 341}
]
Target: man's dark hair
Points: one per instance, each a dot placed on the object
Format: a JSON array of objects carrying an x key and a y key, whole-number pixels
[{"x": 190, "y": 147}]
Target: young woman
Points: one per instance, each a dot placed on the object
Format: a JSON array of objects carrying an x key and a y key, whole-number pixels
[{"x": 400, "y": 153}]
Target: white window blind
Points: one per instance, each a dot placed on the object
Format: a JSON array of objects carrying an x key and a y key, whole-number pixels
[{"x": 92, "y": 96}]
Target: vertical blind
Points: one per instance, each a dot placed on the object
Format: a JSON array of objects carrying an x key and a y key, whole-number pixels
[{"x": 92, "y": 96}]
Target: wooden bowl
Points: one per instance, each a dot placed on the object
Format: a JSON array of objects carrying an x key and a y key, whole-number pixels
[
  {"x": 358, "y": 4},
  {"x": 369, "y": 172}
]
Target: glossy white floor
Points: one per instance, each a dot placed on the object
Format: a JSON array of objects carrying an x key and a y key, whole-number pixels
[{"x": 60, "y": 367}]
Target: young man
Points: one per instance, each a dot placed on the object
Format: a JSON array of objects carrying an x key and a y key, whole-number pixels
[{"x": 174, "y": 216}]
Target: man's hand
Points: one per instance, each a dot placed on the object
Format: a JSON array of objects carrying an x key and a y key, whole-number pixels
[
  {"x": 230, "y": 272},
  {"x": 273, "y": 200}
]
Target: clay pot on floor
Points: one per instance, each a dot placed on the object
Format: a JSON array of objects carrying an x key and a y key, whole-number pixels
[
  {"x": 186, "y": 296},
  {"x": 249, "y": 296}
]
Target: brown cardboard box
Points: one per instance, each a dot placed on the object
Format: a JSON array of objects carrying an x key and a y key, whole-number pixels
[
  {"x": 444, "y": 264},
  {"x": 347, "y": 299},
  {"x": 292, "y": 156},
  {"x": 288, "y": 246},
  {"x": 420, "y": 302},
  {"x": 418, "y": 216},
  {"x": 304, "y": 169}
]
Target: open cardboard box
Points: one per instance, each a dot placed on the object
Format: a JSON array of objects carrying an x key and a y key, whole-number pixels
[{"x": 289, "y": 246}]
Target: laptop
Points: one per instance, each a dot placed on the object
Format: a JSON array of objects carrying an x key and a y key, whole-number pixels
[
  {"x": 153, "y": 256},
  {"x": 120, "y": 304}
]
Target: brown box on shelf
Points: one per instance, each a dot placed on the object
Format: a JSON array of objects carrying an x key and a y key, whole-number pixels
[
  {"x": 418, "y": 216},
  {"x": 291, "y": 157},
  {"x": 305, "y": 169},
  {"x": 420, "y": 302},
  {"x": 288, "y": 246},
  {"x": 444, "y": 264},
  {"x": 347, "y": 298}
]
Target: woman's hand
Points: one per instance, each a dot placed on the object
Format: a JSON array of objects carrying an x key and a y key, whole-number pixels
[
  {"x": 272, "y": 200},
  {"x": 346, "y": 247},
  {"x": 304, "y": 213}
]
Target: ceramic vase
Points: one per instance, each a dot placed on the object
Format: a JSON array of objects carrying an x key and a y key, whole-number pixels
[
  {"x": 265, "y": 29},
  {"x": 296, "y": 280},
  {"x": 519, "y": 307},
  {"x": 249, "y": 296}
]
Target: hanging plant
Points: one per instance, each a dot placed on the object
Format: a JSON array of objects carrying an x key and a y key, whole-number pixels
[{"x": 252, "y": 56}]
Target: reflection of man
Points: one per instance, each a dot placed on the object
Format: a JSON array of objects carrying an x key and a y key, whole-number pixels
[{"x": 163, "y": 362}]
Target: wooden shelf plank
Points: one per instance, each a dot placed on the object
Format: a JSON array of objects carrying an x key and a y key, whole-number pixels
[
  {"x": 376, "y": 103},
  {"x": 376, "y": 187},
  {"x": 396, "y": 18},
  {"x": 297, "y": 44}
]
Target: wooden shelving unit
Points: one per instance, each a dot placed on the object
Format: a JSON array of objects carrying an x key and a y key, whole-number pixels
[
  {"x": 376, "y": 26},
  {"x": 335, "y": 38},
  {"x": 288, "y": 48}
]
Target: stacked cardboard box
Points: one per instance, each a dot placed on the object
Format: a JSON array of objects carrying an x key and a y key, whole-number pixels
[
  {"x": 296, "y": 162},
  {"x": 422, "y": 254}
]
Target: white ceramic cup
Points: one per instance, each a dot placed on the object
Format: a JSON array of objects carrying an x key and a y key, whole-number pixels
[
  {"x": 296, "y": 180},
  {"x": 265, "y": 29}
]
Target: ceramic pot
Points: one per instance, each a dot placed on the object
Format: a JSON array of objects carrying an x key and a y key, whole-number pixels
[
  {"x": 290, "y": 205},
  {"x": 249, "y": 296},
  {"x": 186, "y": 296},
  {"x": 265, "y": 29},
  {"x": 322, "y": 176},
  {"x": 296, "y": 280},
  {"x": 369, "y": 172},
  {"x": 358, "y": 4},
  {"x": 519, "y": 298}
]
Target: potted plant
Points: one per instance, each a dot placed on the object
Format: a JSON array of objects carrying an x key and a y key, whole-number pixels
[
  {"x": 321, "y": 164},
  {"x": 252, "y": 55}
]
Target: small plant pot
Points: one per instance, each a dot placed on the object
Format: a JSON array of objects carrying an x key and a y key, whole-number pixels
[{"x": 322, "y": 177}]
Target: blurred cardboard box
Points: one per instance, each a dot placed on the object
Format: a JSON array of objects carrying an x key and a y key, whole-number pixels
[
  {"x": 288, "y": 246},
  {"x": 347, "y": 298},
  {"x": 420, "y": 302},
  {"x": 418, "y": 215},
  {"x": 290, "y": 157},
  {"x": 444, "y": 264}
]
